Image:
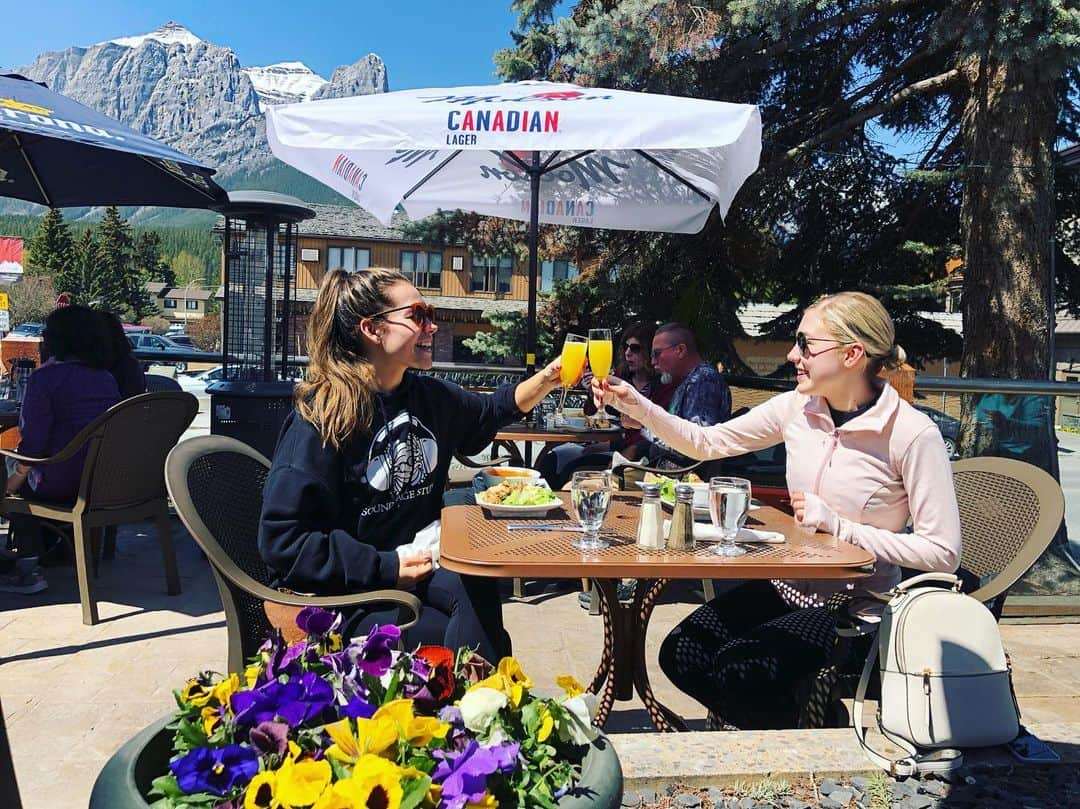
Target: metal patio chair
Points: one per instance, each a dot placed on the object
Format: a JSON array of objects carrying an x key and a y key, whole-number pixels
[
  {"x": 216, "y": 484},
  {"x": 122, "y": 480}
]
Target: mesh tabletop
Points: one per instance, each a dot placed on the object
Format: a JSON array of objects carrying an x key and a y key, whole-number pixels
[{"x": 475, "y": 541}]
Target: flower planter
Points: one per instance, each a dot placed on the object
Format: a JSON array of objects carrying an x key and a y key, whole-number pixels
[{"x": 125, "y": 780}]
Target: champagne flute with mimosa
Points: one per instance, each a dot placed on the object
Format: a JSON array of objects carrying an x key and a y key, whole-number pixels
[
  {"x": 573, "y": 363},
  {"x": 600, "y": 351}
]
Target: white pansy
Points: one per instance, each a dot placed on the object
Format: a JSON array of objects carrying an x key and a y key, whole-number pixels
[
  {"x": 479, "y": 706},
  {"x": 578, "y": 727}
]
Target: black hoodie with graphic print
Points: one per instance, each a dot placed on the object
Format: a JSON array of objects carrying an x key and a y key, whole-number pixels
[{"x": 331, "y": 519}]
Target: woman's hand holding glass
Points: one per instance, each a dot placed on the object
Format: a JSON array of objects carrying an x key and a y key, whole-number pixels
[{"x": 621, "y": 395}]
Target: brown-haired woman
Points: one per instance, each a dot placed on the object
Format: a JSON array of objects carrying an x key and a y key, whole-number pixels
[{"x": 362, "y": 462}]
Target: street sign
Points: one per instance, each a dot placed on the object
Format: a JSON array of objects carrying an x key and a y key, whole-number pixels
[
  {"x": 4, "y": 301},
  {"x": 63, "y": 299}
]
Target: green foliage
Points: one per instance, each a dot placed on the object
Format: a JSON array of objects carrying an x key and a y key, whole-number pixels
[
  {"x": 507, "y": 340},
  {"x": 117, "y": 285},
  {"x": 87, "y": 259},
  {"x": 49, "y": 249},
  {"x": 187, "y": 269},
  {"x": 148, "y": 258}
]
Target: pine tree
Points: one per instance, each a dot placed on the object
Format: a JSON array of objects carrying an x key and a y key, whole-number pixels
[
  {"x": 111, "y": 287},
  {"x": 49, "y": 249},
  {"x": 149, "y": 259},
  {"x": 87, "y": 261}
]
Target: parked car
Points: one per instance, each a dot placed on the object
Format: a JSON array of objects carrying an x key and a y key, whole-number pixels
[
  {"x": 197, "y": 382},
  {"x": 155, "y": 342},
  {"x": 29, "y": 329},
  {"x": 181, "y": 339},
  {"x": 950, "y": 427}
]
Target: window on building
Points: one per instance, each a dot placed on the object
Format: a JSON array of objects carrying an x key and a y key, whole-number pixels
[
  {"x": 170, "y": 303},
  {"x": 423, "y": 269},
  {"x": 347, "y": 258},
  {"x": 491, "y": 273},
  {"x": 552, "y": 271},
  {"x": 192, "y": 305}
]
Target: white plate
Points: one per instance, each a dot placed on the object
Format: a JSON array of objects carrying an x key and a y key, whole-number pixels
[
  {"x": 578, "y": 425},
  {"x": 519, "y": 511}
]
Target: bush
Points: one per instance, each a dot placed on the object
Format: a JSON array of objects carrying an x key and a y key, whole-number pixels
[
  {"x": 205, "y": 332},
  {"x": 157, "y": 323}
]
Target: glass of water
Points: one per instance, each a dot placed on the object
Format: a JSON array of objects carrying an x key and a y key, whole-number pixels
[
  {"x": 729, "y": 501},
  {"x": 590, "y": 496}
]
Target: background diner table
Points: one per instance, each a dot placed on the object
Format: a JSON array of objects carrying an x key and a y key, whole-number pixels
[
  {"x": 478, "y": 543},
  {"x": 508, "y": 437}
]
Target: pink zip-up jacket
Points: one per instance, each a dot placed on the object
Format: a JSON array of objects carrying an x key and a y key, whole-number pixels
[{"x": 863, "y": 480}]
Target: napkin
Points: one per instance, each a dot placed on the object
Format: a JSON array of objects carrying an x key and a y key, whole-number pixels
[
  {"x": 707, "y": 532},
  {"x": 426, "y": 539}
]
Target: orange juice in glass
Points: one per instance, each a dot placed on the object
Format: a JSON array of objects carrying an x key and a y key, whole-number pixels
[
  {"x": 573, "y": 363},
  {"x": 600, "y": 353}
]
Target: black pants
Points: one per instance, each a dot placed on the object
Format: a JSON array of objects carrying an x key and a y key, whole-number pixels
[
  {"x": 743, "y": 654},
  {"x": 458, "y": 611}
]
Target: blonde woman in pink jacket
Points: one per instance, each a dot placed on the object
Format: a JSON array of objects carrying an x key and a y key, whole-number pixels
[{"x": 861, "y": 464}]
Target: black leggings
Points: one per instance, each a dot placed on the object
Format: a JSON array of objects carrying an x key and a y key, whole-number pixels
[
  {"x": 458, "y": 611},
  {"x": 743, "y": 654}
]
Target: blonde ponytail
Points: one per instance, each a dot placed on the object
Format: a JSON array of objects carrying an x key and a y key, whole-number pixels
[{"x": 337, "y": 395}]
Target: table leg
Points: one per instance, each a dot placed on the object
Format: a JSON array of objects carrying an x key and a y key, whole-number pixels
[
  {"x": 646, "y": 594},
  {"x": 528, "y": 454},
  {"x": 607, "y": 675},
  {"x": 511, "y": 448}
]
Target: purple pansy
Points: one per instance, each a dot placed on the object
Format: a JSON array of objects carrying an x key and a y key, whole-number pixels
[
  {"x": 457, "y": 738},
  {"x": 463, "y": 776},
  {"x": 317, "y": 622},
  {"x": 216, "y": 771},
  {"x": 372, "y": 655},
  {"x": 270, "y": 738},
  {"x": 297, "y": 701},
  {"x": 357, "y": 708}
]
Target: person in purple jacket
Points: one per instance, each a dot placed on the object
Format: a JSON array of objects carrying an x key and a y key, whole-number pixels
[{"x": 68, "y": 391}]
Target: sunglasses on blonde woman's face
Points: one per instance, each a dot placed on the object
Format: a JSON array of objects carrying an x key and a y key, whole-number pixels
[
  {"x": 803, "y": 342},
  {"x": 420, "y": 313}
]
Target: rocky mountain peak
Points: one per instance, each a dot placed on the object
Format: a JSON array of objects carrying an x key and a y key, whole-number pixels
[
  {"x": 171, "y": 33},
  {"x": 363, "y": 77},
  {"x": 285, "y": 82}
]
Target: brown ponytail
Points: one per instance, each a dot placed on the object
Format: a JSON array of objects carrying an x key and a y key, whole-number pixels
[{"x": 338, "y": 392}]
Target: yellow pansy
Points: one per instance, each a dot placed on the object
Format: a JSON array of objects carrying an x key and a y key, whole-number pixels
[
  {"x": 508, "y": 679},
  {"x": 211, "y": 718},
  {"x": 334, "y": 640},
  {"x": 301, "y": 783},
  {"x": 547, "y": 724},
  {"x": 434, "y": 794},
  {"x": 195, "y": 693},
  {"x": 416, "y": 730},
  {"x": 251, "y": 674},
  {"x": 372, "y": 736},
  {"x": 570, "y": 685},
  {"x": 375, "y": 782},
  {"x": 260, "y": 791},
  {"x": 487, "y": 802},
  {"x": 225, "y": 689}
]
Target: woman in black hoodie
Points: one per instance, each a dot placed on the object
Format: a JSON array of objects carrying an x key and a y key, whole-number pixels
[{"x": 362, "y": 461}]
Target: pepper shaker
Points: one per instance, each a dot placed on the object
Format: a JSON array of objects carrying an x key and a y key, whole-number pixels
[{"x": 681, "y": 534}]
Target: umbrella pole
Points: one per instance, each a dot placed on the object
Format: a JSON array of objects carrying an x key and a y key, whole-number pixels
[{"x": 534, "y": 225}]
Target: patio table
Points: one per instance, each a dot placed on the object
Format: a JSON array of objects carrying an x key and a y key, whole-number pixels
[
  {"x": 477, "y": 544},
  {"x": 551, "y": 438}
]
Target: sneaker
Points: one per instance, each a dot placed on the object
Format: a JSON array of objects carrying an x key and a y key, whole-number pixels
[{"x": 26, "y": 578}]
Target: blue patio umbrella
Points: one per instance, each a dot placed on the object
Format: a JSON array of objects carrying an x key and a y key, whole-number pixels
[{"x": 56, "y": 152}]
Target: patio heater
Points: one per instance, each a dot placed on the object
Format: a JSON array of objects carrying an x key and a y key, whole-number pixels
[{"x": 258, "y": 372}]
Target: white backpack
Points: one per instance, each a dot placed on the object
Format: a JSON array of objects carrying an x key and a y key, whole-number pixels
[{"x": 945, "y": 678}]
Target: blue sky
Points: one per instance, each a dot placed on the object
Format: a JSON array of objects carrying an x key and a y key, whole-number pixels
[{"x": 423, "y": 42}]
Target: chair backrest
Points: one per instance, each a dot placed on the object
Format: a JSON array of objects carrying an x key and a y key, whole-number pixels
[
  {"x": 1009, "y": 513},
  {"x": 127, "y": 446},
  {"x": 216, "y": 483},
  {"x": 157, "y": 382}
]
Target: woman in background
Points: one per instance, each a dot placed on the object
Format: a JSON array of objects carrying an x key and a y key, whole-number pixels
[{"x": 121, "y": 362}]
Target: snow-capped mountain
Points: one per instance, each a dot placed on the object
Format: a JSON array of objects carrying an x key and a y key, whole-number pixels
[
  {"x": 285, "y": 82},
  {"x": 196, "y": 96},
  {"x": 171, "y": 33}
]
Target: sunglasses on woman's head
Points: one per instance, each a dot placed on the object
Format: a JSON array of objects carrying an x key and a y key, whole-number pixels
[
  {"x": 803, "y": 342},
  {"x": 420, "y": 313},
  {"x": 633, "y": 348}
]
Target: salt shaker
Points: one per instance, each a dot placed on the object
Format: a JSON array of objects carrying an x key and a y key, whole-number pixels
[
  {"x": 650, "y": 532},
  {"x": 681, "y": 534}
]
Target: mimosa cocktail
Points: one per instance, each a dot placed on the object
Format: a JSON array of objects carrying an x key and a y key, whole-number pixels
[
  {"x": 573, "y": 363},
  {"x": 600, "y": 353}
]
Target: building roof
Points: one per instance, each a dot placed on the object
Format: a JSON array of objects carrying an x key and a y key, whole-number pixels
[
  {"x": 160, "y": 290},
  {"x": 345, "y": 222}
]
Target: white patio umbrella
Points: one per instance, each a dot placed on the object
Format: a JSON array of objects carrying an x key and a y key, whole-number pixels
[{"x": 534, "y": 151}]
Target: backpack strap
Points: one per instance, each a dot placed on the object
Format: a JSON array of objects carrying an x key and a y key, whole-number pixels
[{"x": 934, "y": 761}]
